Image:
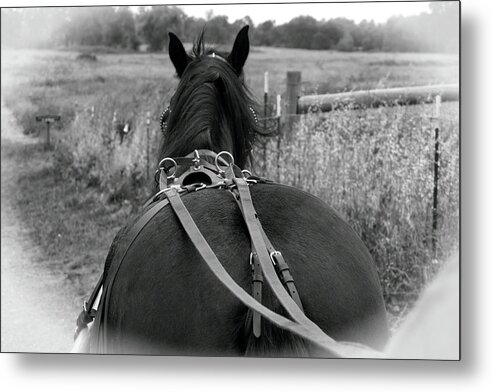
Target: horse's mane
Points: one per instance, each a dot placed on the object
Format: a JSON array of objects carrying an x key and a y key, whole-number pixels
[{"x": 211, "y": 109}]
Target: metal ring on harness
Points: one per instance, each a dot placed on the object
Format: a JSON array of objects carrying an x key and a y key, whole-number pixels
[
  {"x": 218, "y": 156},
  {"x": 246, "y": 173},
  {"x": 175, "y": 166}
]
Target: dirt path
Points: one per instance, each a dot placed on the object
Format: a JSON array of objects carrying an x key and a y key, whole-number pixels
[{"x": 36, "y": 314}]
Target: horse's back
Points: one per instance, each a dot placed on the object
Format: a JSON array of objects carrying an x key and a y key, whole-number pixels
[{"x": 166, "y": 300}]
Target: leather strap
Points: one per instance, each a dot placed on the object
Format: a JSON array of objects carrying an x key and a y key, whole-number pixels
[
  {"x": 87, "y": 315},
  {"x": 257, "y": 291},
  {"x": 281, "y": 265},
  {"x": 302, "y": 326},
  {"x": 282, "y": 268},
  {"x": 101, "y": 328},
  {"x": 257, "y": 238}
]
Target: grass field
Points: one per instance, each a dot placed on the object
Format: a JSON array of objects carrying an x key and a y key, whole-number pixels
[{"x": 373, "y": 166}]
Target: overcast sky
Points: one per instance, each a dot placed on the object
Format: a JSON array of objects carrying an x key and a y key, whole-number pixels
[{"x": 281, "y": 13}]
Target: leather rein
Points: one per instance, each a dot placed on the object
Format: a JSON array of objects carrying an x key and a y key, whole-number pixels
[{"x": 266, "y": 262}]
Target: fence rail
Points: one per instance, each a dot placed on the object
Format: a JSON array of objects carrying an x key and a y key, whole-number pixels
[{"x": 374, "y": 98}]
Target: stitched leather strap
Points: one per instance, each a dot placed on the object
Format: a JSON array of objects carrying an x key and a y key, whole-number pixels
[
  {"x": 283, "y": 270},
  {"x": 101, "y": 328},
  {"x": 304, "y": 328},
  {"x": 257, "y": 239},
  {"x": 281, "y": 265},
  {"x": 257, "y": 291}
]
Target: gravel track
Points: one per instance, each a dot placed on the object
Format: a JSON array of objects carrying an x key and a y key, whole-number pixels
[{"x": 36, "y": 311}]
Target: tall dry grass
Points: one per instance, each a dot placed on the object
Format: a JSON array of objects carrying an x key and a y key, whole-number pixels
[{"x": 376, "y": 168}]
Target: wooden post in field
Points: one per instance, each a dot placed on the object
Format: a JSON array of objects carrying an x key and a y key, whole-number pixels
[
  {"x": 436, "y": 173},
  {"x": 293, "y": 92},
  {"x": 148, "y": 143},
  {"x": 265, "y": 95},
  {"x": 48, "y": 119},
  {"x": 265, "y": 113},
  {"x": 279, "y": 134},
  {"x": 92, "y": 115}
]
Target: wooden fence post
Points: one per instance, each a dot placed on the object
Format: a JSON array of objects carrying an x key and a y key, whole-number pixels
[{"x": 293, "y": 92}]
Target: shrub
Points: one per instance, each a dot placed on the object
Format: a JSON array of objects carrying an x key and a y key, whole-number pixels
[{"x": 91, "y": 57}]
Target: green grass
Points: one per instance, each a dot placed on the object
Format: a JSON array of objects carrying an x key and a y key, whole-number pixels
[{"x": 374, "y": 166}]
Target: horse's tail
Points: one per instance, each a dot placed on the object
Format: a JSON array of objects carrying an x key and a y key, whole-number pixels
[{"x": 273, "y": 341}]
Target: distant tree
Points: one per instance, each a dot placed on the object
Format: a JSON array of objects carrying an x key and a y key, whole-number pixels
[
  {"x": 192, "y": 28},
  {"x": 328, "y": 35},
  {"x": 265, "y": 34},
  {"x": 434, "y": 31},
  {"x": 367, "y": 36},
  {"x": 155, "y": 23},
  {"x": 219, "y": 30},
  {"x": 121, "y": 31},
  {"x": 346, "y": 44},
  {"x": 299, "y": 32}
]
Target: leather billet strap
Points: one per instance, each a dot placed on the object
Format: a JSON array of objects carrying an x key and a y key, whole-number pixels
[
  {"x": 282, "y": 269},
  {"x": 260, "y": 247},
  {"x": 276, "y": 257},
  {"x": 257, "y": 290},
  {"x": 301, "y": 325}
]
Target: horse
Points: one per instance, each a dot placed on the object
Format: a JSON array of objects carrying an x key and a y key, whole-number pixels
[{"x": 163, "y": 299}]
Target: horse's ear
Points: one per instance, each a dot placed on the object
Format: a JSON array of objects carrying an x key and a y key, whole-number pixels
[
  {"x": 178, "y": 54},
  {"x": 240, "y": 50}
]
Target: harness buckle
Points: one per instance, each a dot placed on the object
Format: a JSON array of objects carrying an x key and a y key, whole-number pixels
[
  {"x": 272, "y": 256},
  {"x": 251, "y": 263}
]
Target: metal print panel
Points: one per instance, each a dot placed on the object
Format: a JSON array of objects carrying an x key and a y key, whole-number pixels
[{"x": 265, "y": 180}]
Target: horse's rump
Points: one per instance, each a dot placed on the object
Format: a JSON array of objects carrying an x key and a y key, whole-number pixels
[{"x": 165, "y": 300}]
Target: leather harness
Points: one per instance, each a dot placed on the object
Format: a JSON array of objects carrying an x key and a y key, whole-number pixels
[{"x": 267, "y": 263}]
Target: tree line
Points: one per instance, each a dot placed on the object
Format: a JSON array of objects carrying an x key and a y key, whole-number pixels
[{"x": 119, "y": 27}]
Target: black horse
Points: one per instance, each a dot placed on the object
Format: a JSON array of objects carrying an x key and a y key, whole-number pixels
[{"x": 165, "y": 300}]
